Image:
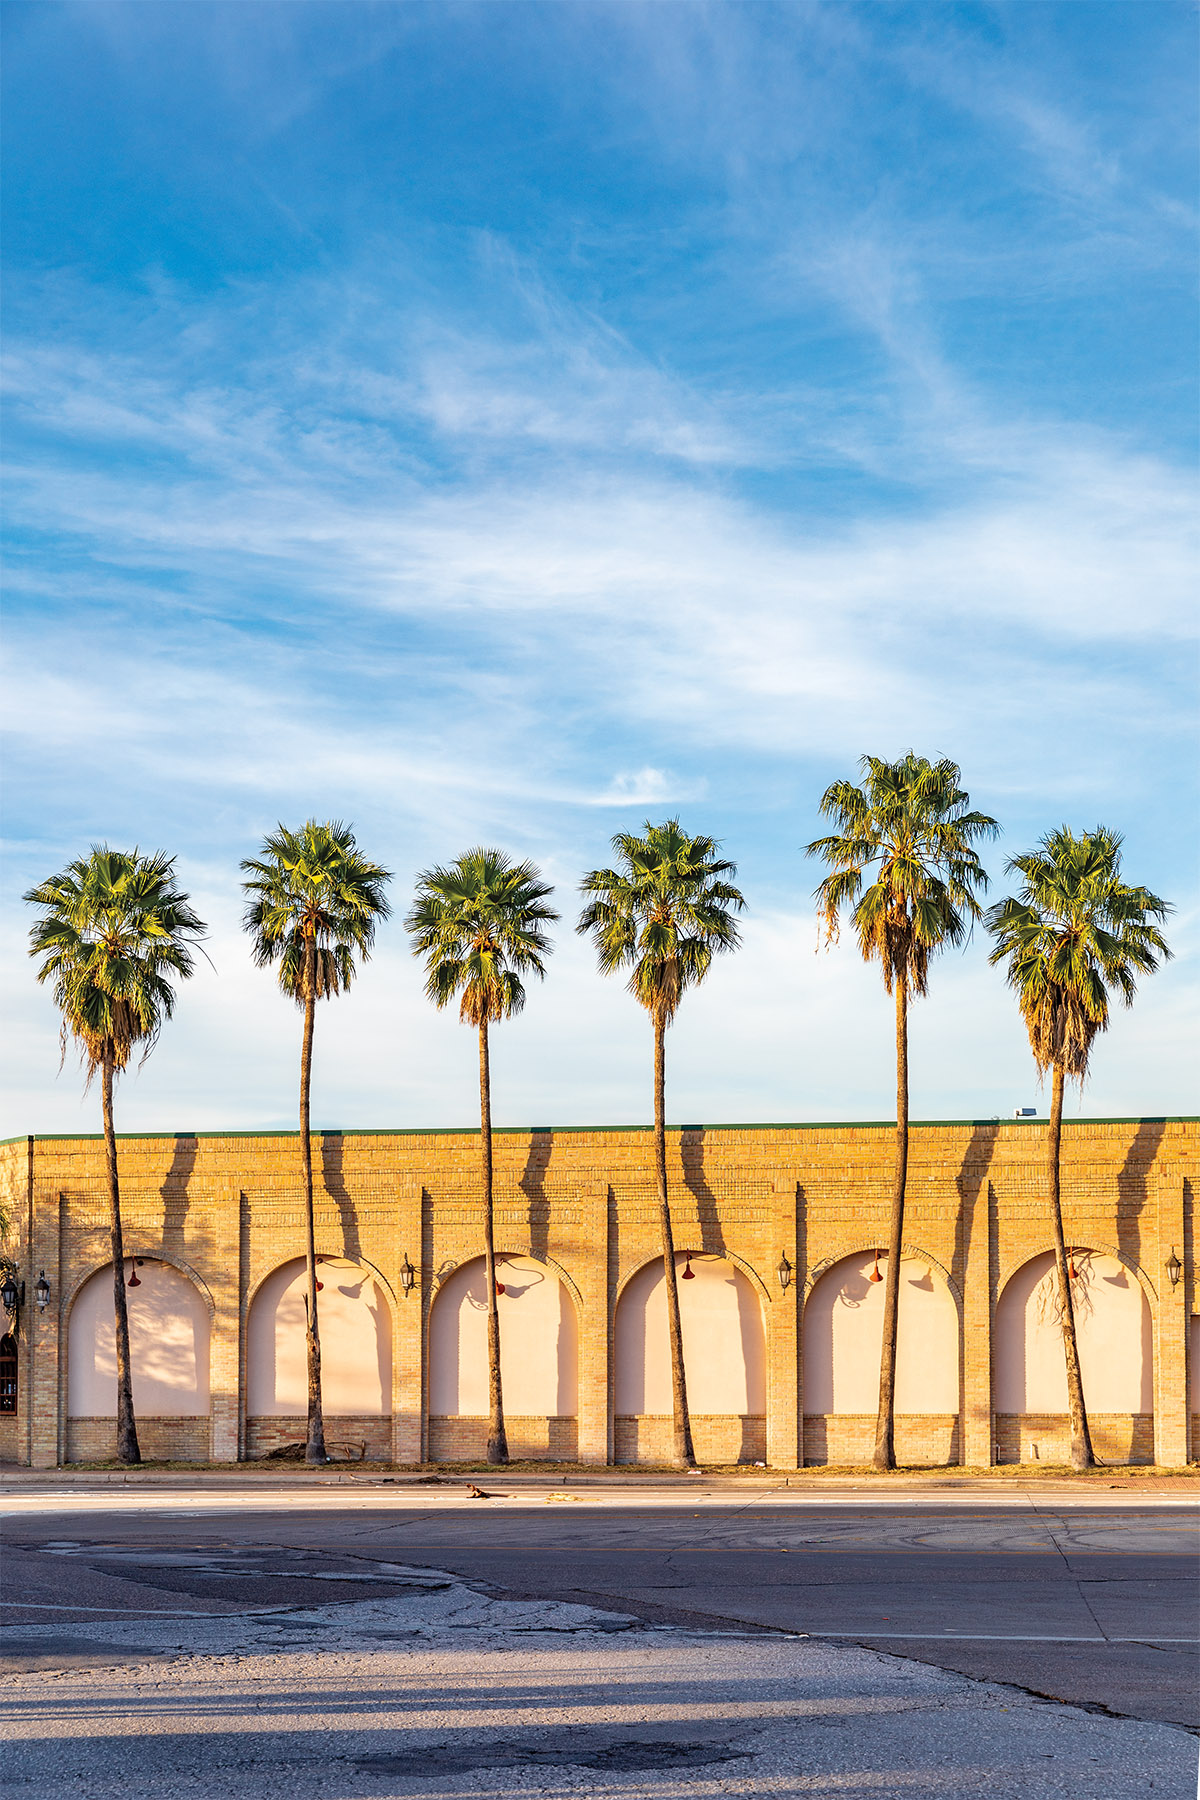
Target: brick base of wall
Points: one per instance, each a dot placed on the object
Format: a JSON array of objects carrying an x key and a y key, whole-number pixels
[
  {"x": 923, "y": 1440},
  {"x": 367, "y": 1436},
  {"x": 159, "y": 1440},
  {"x": 12, "y": 1438},
  {"x": 716, "y": 1437},
  {"x": 464, "y": 1439},
  {"x": 1195, "y": 1437},
  {"x": 1046, "y": 1437}
]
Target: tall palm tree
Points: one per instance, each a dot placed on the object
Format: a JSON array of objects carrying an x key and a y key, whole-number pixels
[
  {"x": 478, "y": 924},
  {"x": 1075, "y": 931},
  {"x": 908, "y": 824},
  {"x": 313, "y": 903},
  {"x": 663, "y": 913},
  {"x": 113, "y": 930}
]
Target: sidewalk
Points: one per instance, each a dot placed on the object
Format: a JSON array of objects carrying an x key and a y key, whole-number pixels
[{"x": 1137, "y": 1482}]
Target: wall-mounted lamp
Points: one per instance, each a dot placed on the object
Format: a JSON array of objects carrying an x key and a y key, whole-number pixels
[
  {"x": 12, "y": 1293},
  {"x": 784, "y": 1272},
  {"x": 408, "y": 1276},
  {"x": 41, "y": 1292},
  {"x": 1174, "y": 1268}
]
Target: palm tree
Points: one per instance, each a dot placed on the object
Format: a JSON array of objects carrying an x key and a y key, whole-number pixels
[
  {"x": 1075, "y": 931},
  {"x": 314, "y": 902},
  {"x": 113, "y": 929},
  {"x": 663, "y": 913},
  {"x": 909, "y": 823},
  {"x": 478, "y": 924}
]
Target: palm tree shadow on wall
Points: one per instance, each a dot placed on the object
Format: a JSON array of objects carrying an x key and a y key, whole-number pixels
[
  {"x": 532, "y": 1185},
  {"x": 1133, "y": 1192},
  {"x": 333, "y": 1181},
  {"x": 691, "y": 1151},
  {"x": 751, "y": 1325},
  {"x": 177, "y": 1202},
  {"x": 973, "y": 1182}
]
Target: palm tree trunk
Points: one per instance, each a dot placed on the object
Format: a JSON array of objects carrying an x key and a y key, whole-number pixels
[
  {"x": 497, "y": 1439},
  {"x": 1082, "y": 1454},
  {"x": 314, "y": 1450},
  {"x": 127, "y": 1439},
  {"x": 885, "y": 1428},
  {"x": 685, "y": 1456}
]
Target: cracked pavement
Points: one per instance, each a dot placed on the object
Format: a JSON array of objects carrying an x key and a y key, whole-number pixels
[{"x": 223, "y": 1647}]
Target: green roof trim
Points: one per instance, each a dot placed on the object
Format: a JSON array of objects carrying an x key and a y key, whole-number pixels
[{"x": 67, "y": 1137}]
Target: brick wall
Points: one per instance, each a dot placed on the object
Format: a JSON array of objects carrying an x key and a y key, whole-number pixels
[
  {"x": 359, "y": 1437},
  {"x": 847, "y": 1440},
  {"x": 1046, "y": 1437},
  {"x": 716, "y": 1438},
  {"x": 160, "y": 1440},
  {"x": 464, "y": 1439},
  {"x": 227, "y": 1210}
]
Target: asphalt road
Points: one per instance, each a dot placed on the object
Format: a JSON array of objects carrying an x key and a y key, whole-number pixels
[{"x": 1090, "y": 1604}]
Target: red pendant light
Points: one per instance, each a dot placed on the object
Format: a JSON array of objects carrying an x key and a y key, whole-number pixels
[
  {"x": 689, "y": 1274},
  {"x": 875, "y": 1275}
]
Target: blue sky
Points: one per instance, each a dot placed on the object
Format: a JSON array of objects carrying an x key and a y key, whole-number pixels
[{"x": 505, "y": 423}]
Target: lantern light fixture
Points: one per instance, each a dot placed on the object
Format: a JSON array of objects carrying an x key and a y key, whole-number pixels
[
  {"x": 1174, "y": 1268},
  {"x": 12, "y": 1294},
  {"x": 408, "y": 1276},
  {"x": 41, "y": 1292},
  {"x": 784, "y": 1272}
]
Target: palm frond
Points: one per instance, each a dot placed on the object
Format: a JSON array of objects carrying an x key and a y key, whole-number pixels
[
  {"x": 112, "y": 932},
  {"x": 902, "y": 863},
  {"x": 314, "y": 885},
  {"x": 662, "y": 912},
  {"x": 479, "y": 924},
  {"x": 1074, "y": 934}
]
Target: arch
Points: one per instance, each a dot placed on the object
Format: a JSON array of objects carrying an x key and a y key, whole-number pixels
[
  {"x": 170, "y": 1317},
  {"x": 539, "y": 1341},
  {"x": 1046, "y": 1248},
  {"x": 355, "y": 1324},
  {"x": 1113, "y": 1326},
  {"x": 724, "y": 1340},
  {"x": 843, "y": 1338}
]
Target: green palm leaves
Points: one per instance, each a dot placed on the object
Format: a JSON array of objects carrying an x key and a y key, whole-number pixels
[
  {"x": 113, "y": 931},
  {"x": 478, "y": 924},
  {"x": 663, "y": 914},
  {"x": 313, "y": 903},
  {"x": 1076, "y": 933},
  {"x": 313, "y": 889},
  {"x": 910, "y": 822}
]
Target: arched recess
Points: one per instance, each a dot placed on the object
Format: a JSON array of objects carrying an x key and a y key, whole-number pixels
[
  {"x": 355, "y": 1326},
  {"x": 843, "y": 1343},
  {"x": 724, "y": 1362},
  {"x": 1116, "y": 1360},
  {"x": 169, "y": 1333},
  {"x": 539, "y": 1342}
]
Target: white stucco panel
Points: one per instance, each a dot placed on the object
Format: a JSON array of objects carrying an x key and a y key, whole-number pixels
[
  {"x": 355, "y": 1328},
  {"x": 843, "y": 1339},
  {"x": 168, "y": 1345},
  {"x": 539, "y": 1342},
  {"x": 724, "y": 1357},
  {"x": 1112, "y": 1325}
]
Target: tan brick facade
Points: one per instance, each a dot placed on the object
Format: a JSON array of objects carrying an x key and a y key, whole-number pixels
[{"x": 227, "y": 1211}]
